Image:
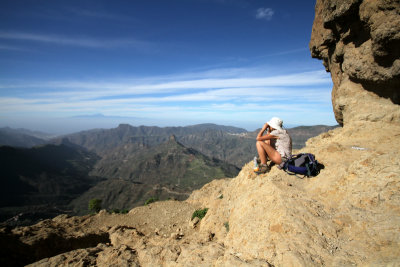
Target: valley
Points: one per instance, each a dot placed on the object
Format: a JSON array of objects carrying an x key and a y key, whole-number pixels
[{"x": 123, "y": 166}]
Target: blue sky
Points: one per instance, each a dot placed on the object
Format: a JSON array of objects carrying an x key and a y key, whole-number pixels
[{"x": 165, "y": 63}]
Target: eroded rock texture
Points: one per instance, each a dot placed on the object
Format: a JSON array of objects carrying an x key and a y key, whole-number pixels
[{"x": 359, "y": 43}]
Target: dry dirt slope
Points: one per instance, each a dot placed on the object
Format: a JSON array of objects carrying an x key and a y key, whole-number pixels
[{"x": 348, "y": 214}]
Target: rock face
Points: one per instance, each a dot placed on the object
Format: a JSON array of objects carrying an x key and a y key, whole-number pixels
[
  {"x": 349, "y": 214},
  {"x": 359, "y": 43}
]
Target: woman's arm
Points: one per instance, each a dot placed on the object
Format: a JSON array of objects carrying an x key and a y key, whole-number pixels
[
  {"x": 268, "y": 136},
  {"x": 261, "y": 132}
]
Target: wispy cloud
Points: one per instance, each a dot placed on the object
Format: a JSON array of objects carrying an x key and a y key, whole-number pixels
[
  {"x": 222, "y": 89},
  {"x": 75, "y": 41},
  {"x": 287, "y": 52},
  {"x": 184, "y": 84},
  {"x": 264, "y": 13},
  {"x": 213, "y": 98}
]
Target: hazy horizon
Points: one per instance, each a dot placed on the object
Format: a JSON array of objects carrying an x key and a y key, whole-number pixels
[{"x": 61, "y": 126}]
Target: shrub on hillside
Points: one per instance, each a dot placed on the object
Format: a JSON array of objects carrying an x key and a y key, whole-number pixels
[
  {"x": 200, "y": 213},
  {"x": 118, "y": 211},
  {"x": 150, "y": 200},
  {"x": 226, "y": 224},
  {"x": 95, "y": 205}
]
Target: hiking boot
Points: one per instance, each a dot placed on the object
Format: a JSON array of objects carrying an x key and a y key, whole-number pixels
[{"x": 262, "y": 168}]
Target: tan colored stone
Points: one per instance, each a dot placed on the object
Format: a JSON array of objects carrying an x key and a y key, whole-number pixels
[
  {"x": 193, "y": 223},
  {"x": 359, "y": 43}
]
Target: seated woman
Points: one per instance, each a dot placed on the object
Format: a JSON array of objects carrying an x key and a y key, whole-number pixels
[{"x": 273, "y": 143}]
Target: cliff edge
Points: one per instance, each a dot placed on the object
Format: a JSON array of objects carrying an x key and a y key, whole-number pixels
[{"x": 348, "y": 215}]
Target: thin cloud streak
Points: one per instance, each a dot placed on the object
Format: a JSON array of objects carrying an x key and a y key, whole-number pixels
[
  {"x": 86, "y": 90},
  {"x": 235, "y": 97},
  {"x": 123, "y": 105},
  {"x": 287, "y": 52},
  {"x": 75, "y": 41}
]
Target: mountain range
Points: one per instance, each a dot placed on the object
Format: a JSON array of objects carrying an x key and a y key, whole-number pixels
[
  {"x": 122, "y": 166},
  {"x": 21, "y": 137},
  {"x": 230, "y": 144}
]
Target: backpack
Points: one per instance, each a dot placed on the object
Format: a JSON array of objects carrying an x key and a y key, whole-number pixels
[{"x": 303, "y": 163}]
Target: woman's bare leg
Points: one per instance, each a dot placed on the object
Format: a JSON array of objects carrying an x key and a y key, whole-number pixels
[
  {"x": 266, "y": 150},
  {"x": 261, "y": 152}
]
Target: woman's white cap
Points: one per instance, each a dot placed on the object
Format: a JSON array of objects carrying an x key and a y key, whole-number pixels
[{"x": 275, "y": 123}]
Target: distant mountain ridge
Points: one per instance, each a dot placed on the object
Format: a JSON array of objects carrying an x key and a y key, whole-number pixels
[
  {"x": 197, "y": 136},
  {"x": 213, "y": 140},
  {"x": 21, "y": 137},
  {"x": 37, "y": 134},
  {"x": 103, "y": 139},
  {"x": 230, "y": 144}
]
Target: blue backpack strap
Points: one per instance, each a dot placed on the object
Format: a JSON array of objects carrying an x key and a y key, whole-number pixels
[
  {"x": 308, "y": 170},
  {"x": 312, "y": 165},
  {"x": 311, "y": 157},
  {"x": 295, "y": 174}
]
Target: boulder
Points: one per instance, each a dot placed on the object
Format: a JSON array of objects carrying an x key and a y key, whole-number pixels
[{"x": 359, "y": 44}]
